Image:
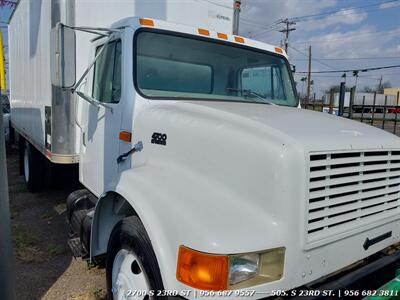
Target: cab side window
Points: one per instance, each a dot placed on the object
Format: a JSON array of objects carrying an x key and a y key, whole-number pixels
[
  {"x": 107, "y": 74},
  {"x": 264, "y": 80}
]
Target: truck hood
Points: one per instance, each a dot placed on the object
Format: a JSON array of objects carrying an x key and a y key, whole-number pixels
[
  {"x": 313, "y": 131},
  {"x": 234, "y": 178}
]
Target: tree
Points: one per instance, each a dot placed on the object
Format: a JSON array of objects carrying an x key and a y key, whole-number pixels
[{"x": 367, "y": 89}]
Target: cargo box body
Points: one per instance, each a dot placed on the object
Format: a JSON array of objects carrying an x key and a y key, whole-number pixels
[{"x": 45, "y": 114}]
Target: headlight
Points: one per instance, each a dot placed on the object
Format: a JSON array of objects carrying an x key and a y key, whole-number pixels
[
  {"x": 243, "y": 267},
  {"x": 221, "y": 272}
]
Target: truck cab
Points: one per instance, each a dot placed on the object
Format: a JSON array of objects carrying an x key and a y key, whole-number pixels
[{"x": 204, "y": 178}]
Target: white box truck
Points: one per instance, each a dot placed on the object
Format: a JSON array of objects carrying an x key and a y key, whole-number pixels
[{"x": 203, "y": 177}]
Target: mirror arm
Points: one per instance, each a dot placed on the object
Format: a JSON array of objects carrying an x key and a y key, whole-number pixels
[
  {"x": 74, "y": 88},
  {"x": 94, "y": 30},
  {"x": 93, "y": 101}
]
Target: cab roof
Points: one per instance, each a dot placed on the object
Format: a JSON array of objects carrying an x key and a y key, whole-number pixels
[{"x": 137, "y": 22}]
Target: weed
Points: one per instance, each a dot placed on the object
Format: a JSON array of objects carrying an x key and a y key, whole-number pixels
[
  {"x": 55, "y": 250},
  {"x": 26, "y": 245}
]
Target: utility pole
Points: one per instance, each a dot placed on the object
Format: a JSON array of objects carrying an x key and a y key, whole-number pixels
[
  {"x": 286, "y": 31},
  {"x": 380, "y": 84},
  {"x": 309, "y": 75},
  {"x": 355, "y": 74}
]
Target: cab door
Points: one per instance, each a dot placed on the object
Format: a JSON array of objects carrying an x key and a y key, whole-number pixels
[{"x": 101, "y": 125}]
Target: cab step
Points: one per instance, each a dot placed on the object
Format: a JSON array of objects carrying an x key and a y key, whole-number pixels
[{"x": 76, "y": 247}]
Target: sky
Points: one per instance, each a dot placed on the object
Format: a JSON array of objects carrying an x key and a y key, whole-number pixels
[
  {"x": 344, "y": 34},
  {"x": 352, "y": 34}
]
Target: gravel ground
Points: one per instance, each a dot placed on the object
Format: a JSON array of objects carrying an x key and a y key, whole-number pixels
[{"x": 44, "y": 266}]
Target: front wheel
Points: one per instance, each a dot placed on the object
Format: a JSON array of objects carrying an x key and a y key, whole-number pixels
[{"x": 131, "y": 267}]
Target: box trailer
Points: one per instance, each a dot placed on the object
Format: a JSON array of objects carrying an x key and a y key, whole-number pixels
[
  {"x": 43, "y": 114},
  {"x": 361, "y": 98},
  {"x": 202, "y": 177}
]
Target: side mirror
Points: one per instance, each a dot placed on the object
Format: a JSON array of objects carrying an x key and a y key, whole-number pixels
[
  {"x": 63, "y": 56},
  {"x": 293, "y": 68}
]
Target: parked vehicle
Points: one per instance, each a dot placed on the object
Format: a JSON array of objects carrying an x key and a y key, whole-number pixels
[
  {"x": 394, "y": 110},
  {"x": 203, "y": 177}
]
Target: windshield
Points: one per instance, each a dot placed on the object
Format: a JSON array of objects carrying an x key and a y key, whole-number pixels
[{"x": 184, "y": 67}]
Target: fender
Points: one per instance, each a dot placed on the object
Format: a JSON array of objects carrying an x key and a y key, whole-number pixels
[
  {"x": 114, "y": 206},
  {"x": 180, "y": 206}
]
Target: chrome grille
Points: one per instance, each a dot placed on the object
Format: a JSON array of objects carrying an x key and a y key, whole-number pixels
[{"x": 348, "y": 190}]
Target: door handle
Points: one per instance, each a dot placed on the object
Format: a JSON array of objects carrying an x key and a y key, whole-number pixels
[{"x": 137, "y": 148}]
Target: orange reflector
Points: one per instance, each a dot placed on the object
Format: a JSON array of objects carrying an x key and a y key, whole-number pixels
[
  {"x": 222, "y": 36},
  {"x": 203, "y": 31},
  {"x": 239, "y": 39},
  {"x": 278, "y": 50},
  {"x": 125, "y": 136},
  {"x": 146, "y": 22},
  {"x": 201, "y": 270}
]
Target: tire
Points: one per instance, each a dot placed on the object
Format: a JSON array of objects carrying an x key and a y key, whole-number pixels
[
  {"x": 21, "y": 149},
  {"x": 129, "y": 237},
  {"x": 11, "y": 138},
  {"x": 33, "y": 166}
]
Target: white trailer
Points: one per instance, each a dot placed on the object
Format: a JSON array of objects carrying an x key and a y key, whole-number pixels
[
  {"x": 203, "y": 178},
  {"x": 361, "y": 98}
]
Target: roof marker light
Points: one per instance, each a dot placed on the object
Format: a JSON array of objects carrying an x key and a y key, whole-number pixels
[
  {"x": 239, "y": 39},
  {"x": 222, "y": 36},
  {"x": 278, "y": 50},
  {"x": 203, "y": 31},
  {"x": 146, "y": 22}
]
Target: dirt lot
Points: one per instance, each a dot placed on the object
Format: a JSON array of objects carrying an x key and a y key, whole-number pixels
[{"x": 44, "y": 266}]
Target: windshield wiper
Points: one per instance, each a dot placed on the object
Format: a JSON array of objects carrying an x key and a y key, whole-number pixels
[{"x": 250, "y": 92}]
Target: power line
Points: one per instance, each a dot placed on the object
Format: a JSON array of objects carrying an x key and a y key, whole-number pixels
[
  {"x": 286, "y": 30},
  {"x": 347, "y": 36},
  {"x": 351, "y": 9},
  {"x": 215, "y": 3},
  {"x": 265, "y": 26},
  {"x": 295, "y": 19},
  {"x": 268, "y": 28},
  {"x": 314, "y": 59},
  {"x": 353, "y": 70}
]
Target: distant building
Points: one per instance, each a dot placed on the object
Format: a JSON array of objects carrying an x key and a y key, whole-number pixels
[
  {"x": 393, "y": 92},
  {"x": 361, "y": 98}
]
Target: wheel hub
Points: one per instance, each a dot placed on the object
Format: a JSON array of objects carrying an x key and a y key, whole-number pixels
[{"x": 128, "y": 278}]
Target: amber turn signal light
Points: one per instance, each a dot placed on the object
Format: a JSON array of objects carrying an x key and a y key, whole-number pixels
[
  {"x": 201, "y": 270},
  {"x": 125, "y": 136}
]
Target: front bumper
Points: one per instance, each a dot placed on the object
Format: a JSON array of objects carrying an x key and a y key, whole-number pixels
[
  {"x": 357, "y": 282},
  {"x": 371, "y": 276}
]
